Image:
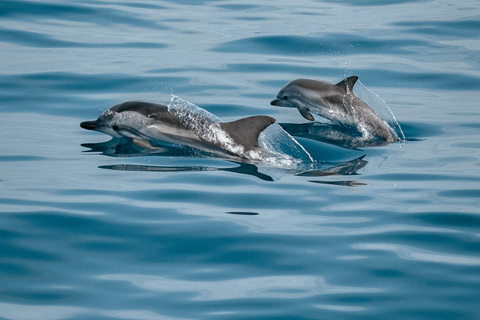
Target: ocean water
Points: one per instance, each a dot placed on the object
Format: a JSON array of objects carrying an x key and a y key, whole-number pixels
[{"x": 93, "y": 228}]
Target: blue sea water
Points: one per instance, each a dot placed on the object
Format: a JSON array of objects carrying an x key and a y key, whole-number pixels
[{"x": 99, "y": 229}]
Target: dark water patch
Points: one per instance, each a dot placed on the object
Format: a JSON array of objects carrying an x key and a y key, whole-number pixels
[
  {"x": 231, "y": 110},
  {"x": 414, "y": 130},
  {"x": 42, "y": 9},
  {"x": 449, "y": 219},
  {"x": 12, "y": 270},
  {"x": 237, "y": 7},
  {"x": 472, "y": 125},
  {"x": 334, "y": 44},
  {"x": 250, "y": 18},
  {"x": 443, "y": 29},
  {"x": 40, "y": 40},
  {"x": 28, "y": 10},
  {"x": 142, "y": 5},
  {"x": 12, "y": 250},
  {"x": 387, "y": 273},
  {"x": 34, "y": 39},
  {"x": 459, "y": 194},
  {"x": 41, "y": 86},
  {"x": 48, "y": 103}
]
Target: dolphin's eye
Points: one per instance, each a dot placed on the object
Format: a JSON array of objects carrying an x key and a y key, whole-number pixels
[
  {"x": 115, "y": 127},
  {"x": 285, "y": 98}
]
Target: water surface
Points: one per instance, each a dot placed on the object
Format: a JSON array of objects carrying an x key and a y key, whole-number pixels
[{"x": 99, "y": 229}]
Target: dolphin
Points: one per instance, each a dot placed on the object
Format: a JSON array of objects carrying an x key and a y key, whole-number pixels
[
  {"x": 144, "y": 122},
  {"x": 336, "y": 102}
]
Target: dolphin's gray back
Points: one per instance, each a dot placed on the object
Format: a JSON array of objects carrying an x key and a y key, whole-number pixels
[
  {"x": 346, "y": 84},
  {"x": 150, "y": 110},
  {"x": 311, "y": 84}
]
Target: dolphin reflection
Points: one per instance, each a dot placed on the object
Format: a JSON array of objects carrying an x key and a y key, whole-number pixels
[
  {"x": 332, "y": 134},
  {"x": 120, "y": 147}
]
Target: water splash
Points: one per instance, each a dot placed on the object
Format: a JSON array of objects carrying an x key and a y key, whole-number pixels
[
  {"x": 380, "y": 107},
  {"x": 280, "y": 143},
  {"x": 278, "y": 148}
]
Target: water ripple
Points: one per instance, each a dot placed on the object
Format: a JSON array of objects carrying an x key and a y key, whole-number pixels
[
  {"x": 39, "y": 40},
  {"x": 269, "y": 287},
  {"x": 327, "y": 44},
  {"x": 416, "y": 254},
  {"x": 58, "y": 312}
]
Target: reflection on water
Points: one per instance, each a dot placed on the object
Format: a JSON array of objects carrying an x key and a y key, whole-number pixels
[
  {"x": 333, "y": 134},
  {"x": 119, "y": 147}
]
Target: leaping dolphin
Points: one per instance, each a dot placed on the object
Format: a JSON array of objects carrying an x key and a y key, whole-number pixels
[
  {"x": 336, "y": 102},
  {"x": 143, "y": 122}
]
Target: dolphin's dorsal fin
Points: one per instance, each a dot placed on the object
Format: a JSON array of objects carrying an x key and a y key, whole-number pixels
[
  {"x": 348, "y": 83},
  {"x": 245, "y": 131}
]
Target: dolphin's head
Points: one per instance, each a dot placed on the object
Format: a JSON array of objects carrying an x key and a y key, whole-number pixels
[
  {"x": 300, "y": 94},
  {"x": 125, "y": 116},
  {"x": 105, "y": 123},
  {"x": 288, "y": 96}
]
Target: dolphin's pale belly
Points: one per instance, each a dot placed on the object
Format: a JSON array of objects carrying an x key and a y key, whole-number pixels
[{"x": 171, "y": 134}]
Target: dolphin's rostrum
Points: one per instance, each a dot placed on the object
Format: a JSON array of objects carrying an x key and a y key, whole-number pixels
[{"x": 336, "y": 102}]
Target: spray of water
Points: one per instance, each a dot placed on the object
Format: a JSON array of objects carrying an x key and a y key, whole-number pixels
[
  {"x": 380, "y": 108},
  {"x": 278, "y": 148}
]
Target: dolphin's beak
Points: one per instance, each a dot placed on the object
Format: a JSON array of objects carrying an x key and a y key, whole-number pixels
[
  {"x": 276, "y": 102},
  {"x": 89, "y": 125},
  {"x": 282, "y": 103}
]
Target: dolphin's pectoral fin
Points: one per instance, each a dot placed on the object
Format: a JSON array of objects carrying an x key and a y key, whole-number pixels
[
  {"x": 348, "y": 83},
  {"x": 142, "y": 143},
  {"x": 245, "y": 131},
  {"x": 305, "y": 112}
]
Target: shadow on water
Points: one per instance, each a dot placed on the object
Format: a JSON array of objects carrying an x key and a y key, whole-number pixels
[{"x": 120, "y": 147}]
